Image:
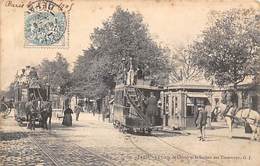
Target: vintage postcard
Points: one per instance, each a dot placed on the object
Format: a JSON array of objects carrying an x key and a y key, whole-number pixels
[{"x": 130, "y": 82}]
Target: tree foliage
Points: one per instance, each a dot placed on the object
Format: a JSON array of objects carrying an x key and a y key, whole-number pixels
[
  {"x": 55, "y": 73},
  {"x": 124, "y": 35},
  {"x": 229, "y": 46},
  {"x": 183, "y": 67}
]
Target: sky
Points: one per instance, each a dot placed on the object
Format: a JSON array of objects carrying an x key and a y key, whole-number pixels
[{"x": 171, "y": 22}]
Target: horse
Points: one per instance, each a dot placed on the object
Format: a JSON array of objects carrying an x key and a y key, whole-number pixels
[
  {"x": 246, "y": 115},
  {"x": 46, "y": 113},
  {"x": 31, "y": 114}
]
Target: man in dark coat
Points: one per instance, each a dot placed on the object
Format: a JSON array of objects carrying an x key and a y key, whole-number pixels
[
  {"x": 78, "y": 109},
  {"x": 151, "y": 108},
  {"x": 201, "y": 121}
]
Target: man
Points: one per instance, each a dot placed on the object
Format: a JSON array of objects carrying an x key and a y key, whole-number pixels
[
  {"x": 33, "y": 73},
  {"x": 78, "y": 109},
  {"x": 209, "y": 111},
  {"x": 201, "y": 121},
  {"x": 3, "y": 99},
  {"x": 151, "y": 108},
  {"x": 231, "y": 99}
]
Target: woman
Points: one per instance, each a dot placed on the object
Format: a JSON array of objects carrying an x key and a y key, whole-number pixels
[
  {"x": 67, "y": 120},
  {"x": 201, "y": 121}
]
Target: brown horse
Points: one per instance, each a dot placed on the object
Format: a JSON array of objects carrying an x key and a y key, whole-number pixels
[{"x": 46, "y": 113}]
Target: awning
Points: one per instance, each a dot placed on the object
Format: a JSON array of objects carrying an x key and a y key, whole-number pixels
[{"x": 200, "y": 95}]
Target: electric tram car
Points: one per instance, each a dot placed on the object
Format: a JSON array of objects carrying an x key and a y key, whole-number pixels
[{"x": 130, "y": 109}]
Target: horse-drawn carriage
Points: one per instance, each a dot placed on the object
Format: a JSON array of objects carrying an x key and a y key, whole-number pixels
[
  {"x": 31, "y": 101},
  {"x": 5, "y": 108},
  {"x": 130, "y": 112}
]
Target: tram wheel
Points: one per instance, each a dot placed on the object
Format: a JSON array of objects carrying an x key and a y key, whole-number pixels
[
  {"x": 125, "y": 130},
  {"x": 149, "y": 130}
]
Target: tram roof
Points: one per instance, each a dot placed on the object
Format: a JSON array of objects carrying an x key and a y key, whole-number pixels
[{"x": 190, "y": 85}]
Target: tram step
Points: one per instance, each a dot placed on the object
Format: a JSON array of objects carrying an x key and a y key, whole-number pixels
[{"x": 132, "y": 95}]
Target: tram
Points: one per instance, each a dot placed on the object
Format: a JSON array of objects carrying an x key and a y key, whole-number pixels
[
  {"x": 136, "y": 105},
  {"x": 130, "y": 112},
  {"x": 29, "y": 88}
]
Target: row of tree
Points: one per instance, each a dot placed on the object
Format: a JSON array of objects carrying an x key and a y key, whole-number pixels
[{"x": 227, "y": 52}]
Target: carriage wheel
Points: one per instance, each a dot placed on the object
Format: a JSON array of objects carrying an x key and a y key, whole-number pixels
[
  {"x": 149, "y": 130},
  {"x": 5, "y": 111},
  {"x": 115, "y": 124},
  {"x": 124, "y": 130}
]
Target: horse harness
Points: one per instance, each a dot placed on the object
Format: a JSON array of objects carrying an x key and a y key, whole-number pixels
[{"x": 247, "y": 117}]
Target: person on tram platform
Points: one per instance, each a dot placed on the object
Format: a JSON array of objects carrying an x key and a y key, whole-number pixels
[
  {"x": 33, "y": 73},
  {"x": 67, "y": 120},
  {"x": 3, "y": 99}
]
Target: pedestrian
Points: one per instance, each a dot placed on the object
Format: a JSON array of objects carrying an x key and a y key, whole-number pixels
[
  {"x": 94, "y": 108},
  {"x": 78, "y": 109},
  {"x": 67, "y": 120},
  {"x": 201, "y": 121},
  {"x": 208, "y": 109}
]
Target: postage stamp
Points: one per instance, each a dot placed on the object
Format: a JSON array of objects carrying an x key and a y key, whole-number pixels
[{"x": 46, "y": 24}]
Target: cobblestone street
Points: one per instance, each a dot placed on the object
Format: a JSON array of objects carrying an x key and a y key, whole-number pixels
[{"x": 93, "y": 142}]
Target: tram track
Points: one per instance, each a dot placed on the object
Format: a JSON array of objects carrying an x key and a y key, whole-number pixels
[
  {"x": 92, "y": 152},
  {"x": 69, "y": 153},
  {"x": 42, "y": 149},
  {"x": 46, "y": 152},
  {"x": 146, "y": 152},
  {"x": 183, "y": 151},
  {"x": 175, "y": 148}
]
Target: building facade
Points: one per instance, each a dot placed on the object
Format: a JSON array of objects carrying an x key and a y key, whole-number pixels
[{"x": 180, "y": 101}]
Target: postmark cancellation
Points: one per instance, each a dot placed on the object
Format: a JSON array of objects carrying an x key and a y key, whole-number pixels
[{"x": 46, "y": 25}]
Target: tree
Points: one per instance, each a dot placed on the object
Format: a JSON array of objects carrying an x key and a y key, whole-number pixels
[
  {"x": 124, "y": 35},
  {"x": 183, "y": 67},
  {"x": 55, "y": 73},
  {"x": 228, "y": 49},
  {"x": 10, "y": 93}
]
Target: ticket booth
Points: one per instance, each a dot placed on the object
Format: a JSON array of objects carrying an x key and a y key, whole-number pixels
[{"x": 181, "y": 103}]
